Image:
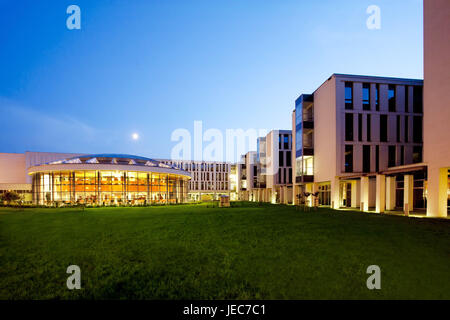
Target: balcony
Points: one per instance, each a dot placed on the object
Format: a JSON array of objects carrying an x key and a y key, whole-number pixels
[
  {"x": 308, "y": 124},
  {"x": 304, "y": 179}
]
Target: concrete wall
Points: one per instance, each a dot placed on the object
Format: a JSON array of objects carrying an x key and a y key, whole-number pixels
[
  {"x": 12, "y": 168},
  {"x": 325, "y": 132},
  {"x": 437, "y": 102}
]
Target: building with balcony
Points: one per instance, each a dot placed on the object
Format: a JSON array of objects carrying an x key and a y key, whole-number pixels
[
  {"x": 269, "y": 169},
  {"x": 358, "y": 143}
]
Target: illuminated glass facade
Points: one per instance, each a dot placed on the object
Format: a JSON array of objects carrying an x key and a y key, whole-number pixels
[
  {"x": 136, "y": 186},
  {"x": 304, "y": 138}
]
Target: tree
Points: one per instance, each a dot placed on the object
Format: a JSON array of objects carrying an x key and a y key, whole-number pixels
[{"x": 10, "y": 196}]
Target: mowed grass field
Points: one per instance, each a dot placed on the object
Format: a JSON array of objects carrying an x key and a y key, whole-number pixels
[{"x": 198, "y": 252}]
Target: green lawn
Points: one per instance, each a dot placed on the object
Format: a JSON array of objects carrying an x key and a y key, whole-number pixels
[{"x": 196, "y": 252}]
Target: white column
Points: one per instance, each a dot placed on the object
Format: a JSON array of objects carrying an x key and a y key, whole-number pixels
[
  {"x": 390, "y": 193},
  {"x": 364, "y": 194},
  {"x": 281, "y": 194},
  {"x": 437, "y": 186},
  {"x": 408, "y": 193},
  {"x": 315, "y": 188},
  {"x": 335, "y": 199},
  {"x": 295, "y": 190},
  {"x": 380, "y": 202},
  {"x": 356, "y": 188},
  {"x": 285, "y": 197},
  {"x": 309, "y": 188}
]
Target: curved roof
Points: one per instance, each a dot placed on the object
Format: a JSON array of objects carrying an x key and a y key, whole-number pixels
[{"x": 115, "y": 159}]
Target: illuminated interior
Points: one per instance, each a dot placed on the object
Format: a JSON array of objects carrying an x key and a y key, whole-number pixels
[{"x": 137, "y": 185}]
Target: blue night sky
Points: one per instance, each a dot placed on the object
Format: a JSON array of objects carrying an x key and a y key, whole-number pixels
[{"x": 154, "y": 66}]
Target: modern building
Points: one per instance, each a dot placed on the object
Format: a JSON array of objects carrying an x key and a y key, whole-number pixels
[
  {"x": 276, "y": 160},
  {"x": 210, "y": 180},
  {"x": 268, "y": 171},
  {"x": 437, "y": 105},
  {"x": 100, "y": 179},
  {"x": 358, "y": 143},
  {"x": 247, "y": 176}
]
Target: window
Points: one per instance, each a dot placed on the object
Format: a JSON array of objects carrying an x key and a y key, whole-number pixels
[
  {"x": 391, "y": 156},
  {"x": 366, "y": 96},
  {"x": 279, "y": 141},
  {"x": 391, "y": 98},
  {"x": 286, "y": 141},
  {"x": 398, "y": 128},
  {"x": 348, "y": 158},
  {"x": 280, "y": 159},
  {"x": 417, "y": 154},
  {"x": 369, "y": 128},
  {"x": 406, "y": 128},
  {"x": 406, "y": 98},
  {"x": 377, "y": 158},
  {"x": 288, "y": 159},
  {"x": 377, "y": 97},
  {"x": 402, "y": 155},
  {"x": 418, "y": 100},
  {"x": 366, "y": 158},
  {"x": 417, "y": 129},
  {"x": 383, "y": 128},
  {"x": 349, "y": 127},
  {"x": 255, "y": 171},
  {"x": 290, "y": 176},
  {"x": 360, "y": 127},
  {"x": 349, "y": 95}
]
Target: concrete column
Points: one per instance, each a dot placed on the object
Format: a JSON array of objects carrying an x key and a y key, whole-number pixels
[
  {"x": 335, "y": 198},
  {"x": 390, "y": 193},
  {"x": 309, "y": 188},
  {"x": 408, "y": 194},
  {"x": 437, "y": 186},
  {"x": 285, "y": 195},
  {"x": 356, "y": 189},
  {"x": 380, "y": 202},
  {"x": 315, "y": 188},
  {"x": 281, "y": 191},
  {"x": 295, "y": 190},
  {"x": 364, "y": 206}
]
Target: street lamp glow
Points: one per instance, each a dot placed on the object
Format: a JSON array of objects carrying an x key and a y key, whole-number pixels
[{"x": 135, "y": 136}]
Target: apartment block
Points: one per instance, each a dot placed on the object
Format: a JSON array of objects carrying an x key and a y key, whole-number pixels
[
  {"x": 271, "y": 171},
  {"x": 209, "y": 179},
  {"x": 355, "y": 133}
]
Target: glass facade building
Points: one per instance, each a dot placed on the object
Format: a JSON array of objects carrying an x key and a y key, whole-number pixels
[
  {"x": 108, "y": 180},
  {"x": 304, "y": 138}
]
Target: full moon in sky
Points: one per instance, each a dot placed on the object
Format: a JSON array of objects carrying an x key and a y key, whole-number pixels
[{"x": 135, "y": 136}]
